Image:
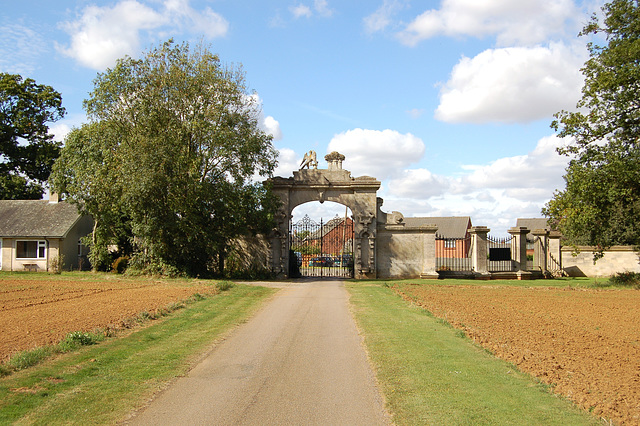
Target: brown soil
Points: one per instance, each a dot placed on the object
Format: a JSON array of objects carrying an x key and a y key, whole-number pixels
[
  {"x": 585, "y": 343},
  {"x": 39, "y": 311}
]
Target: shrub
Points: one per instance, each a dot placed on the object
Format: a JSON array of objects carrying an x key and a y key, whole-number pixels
[
  {"x": 26, "y": 359},
  {"x": 225, "y": 285},
  {"x": 77, "y": 339},
  {"x": 120, "y": 264},
  {"x": 626, "y": 279},
  {"x": 56, "y": 264}
]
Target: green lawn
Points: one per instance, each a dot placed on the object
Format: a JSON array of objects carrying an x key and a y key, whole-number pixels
[{"x": 431, "y": 373}]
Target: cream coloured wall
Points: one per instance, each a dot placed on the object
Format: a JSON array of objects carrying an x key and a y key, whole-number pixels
[{"x": 616, "y": 259}]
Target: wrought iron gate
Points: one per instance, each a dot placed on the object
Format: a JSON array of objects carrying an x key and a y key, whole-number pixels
[
  {"x": 321, "y": 249},
  {"x": 500, "y": 259}
]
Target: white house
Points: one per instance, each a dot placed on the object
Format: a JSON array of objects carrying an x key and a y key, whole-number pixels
[{"x": 36, "y": 234}]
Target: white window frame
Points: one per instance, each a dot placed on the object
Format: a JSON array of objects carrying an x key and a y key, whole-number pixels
[
  {"x": 41, "y": 247},
  {"x": 450, "y": 243}
]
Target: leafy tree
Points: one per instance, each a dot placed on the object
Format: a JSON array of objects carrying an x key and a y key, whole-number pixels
[
  {"x": 168, "y": 159},
  {"x": 600, "y": 205},
  {"x": 27, "y": 150}
]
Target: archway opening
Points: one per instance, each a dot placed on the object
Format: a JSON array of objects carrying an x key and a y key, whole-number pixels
[{"x": 321, "y": 240}]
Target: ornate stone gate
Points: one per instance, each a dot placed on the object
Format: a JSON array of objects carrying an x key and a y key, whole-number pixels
[{"x": 331, "y": 184}]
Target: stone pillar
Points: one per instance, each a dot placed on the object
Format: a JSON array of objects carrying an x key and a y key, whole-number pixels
[
  {"x": 280, "y": 245},
  {"x": 540, "y": 249},
  {"x": 479, "y": 247},
  {"x": 365, "y": 250},
  {"x": 554, "y": 259},
  {"x": 429, "y": 249},
  {"x": 519, "y": 251}
]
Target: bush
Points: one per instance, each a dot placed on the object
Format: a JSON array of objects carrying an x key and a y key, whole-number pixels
[
  {"x": 79, "y": 338},
  {"x": 626, "y": 279},
  {"x": 56, "y": 264},
  {"x": 120, "y": 264},
  {"x": 225, "y": 285},
  {"x": 26, "y": 359},
  {"x": 142, "y": 264}
]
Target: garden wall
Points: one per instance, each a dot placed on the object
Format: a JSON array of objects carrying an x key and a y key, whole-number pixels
[{"x": 616, "y": 259}]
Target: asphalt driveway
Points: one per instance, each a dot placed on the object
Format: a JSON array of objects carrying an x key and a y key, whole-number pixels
[{"x": 299, "y": 361}]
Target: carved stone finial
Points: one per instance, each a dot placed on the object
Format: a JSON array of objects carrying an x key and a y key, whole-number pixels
[
  {"x": 335, "y": 155},
  {"x": 335, "y": 160},
  {"x": 309, "y": 160}
]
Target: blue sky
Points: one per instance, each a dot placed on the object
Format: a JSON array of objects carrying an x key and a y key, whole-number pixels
[{"x": 447, "y": 102}]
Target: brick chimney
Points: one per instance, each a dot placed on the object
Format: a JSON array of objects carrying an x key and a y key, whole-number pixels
[{"x": 54, "y": 198}]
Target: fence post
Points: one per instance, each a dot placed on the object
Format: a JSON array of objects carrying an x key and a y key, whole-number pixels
[
  {"x": 519, "y": 251},
  {"x": 479, "y": 246},
  {"x": 540, "y": 249}
]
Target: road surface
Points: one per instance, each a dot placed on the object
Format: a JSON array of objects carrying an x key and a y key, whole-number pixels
[{"x": 299, "y": 361}]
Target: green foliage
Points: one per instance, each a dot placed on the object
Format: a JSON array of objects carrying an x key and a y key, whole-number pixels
[
  {"x": 626, "y": 279},
  {"x": 165, "y": 166},
  {"x": 26, "y": 359},
  {"x": 57, "y": 263},
  {"x": 225, "y": 285},
  {"x": 601, "y": 202},
  {"x": 25, "y": 110},
  {"x": 307, "y": 249},
  {"x": 78, "y": 339}
]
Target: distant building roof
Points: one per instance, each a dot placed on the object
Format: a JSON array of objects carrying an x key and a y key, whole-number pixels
[
  {"x": 36, "y": 218},
  {"x": 532, "y": 223},
  {"x": 329, "y": 226},
  {"x": 448, "y": 227}
]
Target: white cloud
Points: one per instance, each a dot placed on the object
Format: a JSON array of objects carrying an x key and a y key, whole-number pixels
[
  {"x": 418, "y": 183},
  {"x": 288, "y": 161},
  {"x": 542, "y": 168},
  {"x": 267, "y": 124},
  {"x": 300, "y": 11},
  {"x": 494, "y": 194},
  {"x": 20, "y": 47},
  {"x": 415, "y": 113},
  {"x": 103, "y": 34},
  {"x": 320, "y": 7},
  {"x": 380, "y": 154},
  {"x": 512, "y": 85},
  {"x": 512, "y": 22},
  {"x": 59, "y": 131},
  {"x": 272, "y": 127},
  {"x": 382, "y": 17}
]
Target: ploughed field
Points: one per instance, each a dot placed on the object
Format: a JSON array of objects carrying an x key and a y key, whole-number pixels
[
  {"x": 37, "y": 311},
  {"x": 585, "y": 343}
]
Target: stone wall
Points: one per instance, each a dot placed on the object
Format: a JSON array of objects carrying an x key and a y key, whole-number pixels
[
  {"x": 616, "y": 259},
  {"x": 400, "y": 254},
  {"x": 249, "y": 255}
]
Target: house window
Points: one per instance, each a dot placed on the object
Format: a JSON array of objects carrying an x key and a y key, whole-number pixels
[
  {"x": 31, "y": 249},
  {"x": 449, "y": 243}
]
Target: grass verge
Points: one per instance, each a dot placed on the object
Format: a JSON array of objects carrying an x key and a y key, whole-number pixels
[
  {"x": 431, "y": 373},
  {"x": 101, "y": 384}
]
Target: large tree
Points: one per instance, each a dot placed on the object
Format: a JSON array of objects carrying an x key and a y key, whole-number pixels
[
  {"x": 600, "y": 205},
  {"x": 27, "y": 150},
  {"x": 168, "y": 159}
]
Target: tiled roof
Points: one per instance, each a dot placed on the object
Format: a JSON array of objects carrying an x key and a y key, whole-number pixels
[
  {"x": 448, "y": 227},
  {"x": 36, "y": 218}
]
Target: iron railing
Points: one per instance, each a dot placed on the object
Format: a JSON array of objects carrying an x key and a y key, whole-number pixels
[{"x": 453, "y": 254}]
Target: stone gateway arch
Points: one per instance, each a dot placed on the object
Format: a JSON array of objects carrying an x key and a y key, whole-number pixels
[{"x": 384, "y": 246}]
